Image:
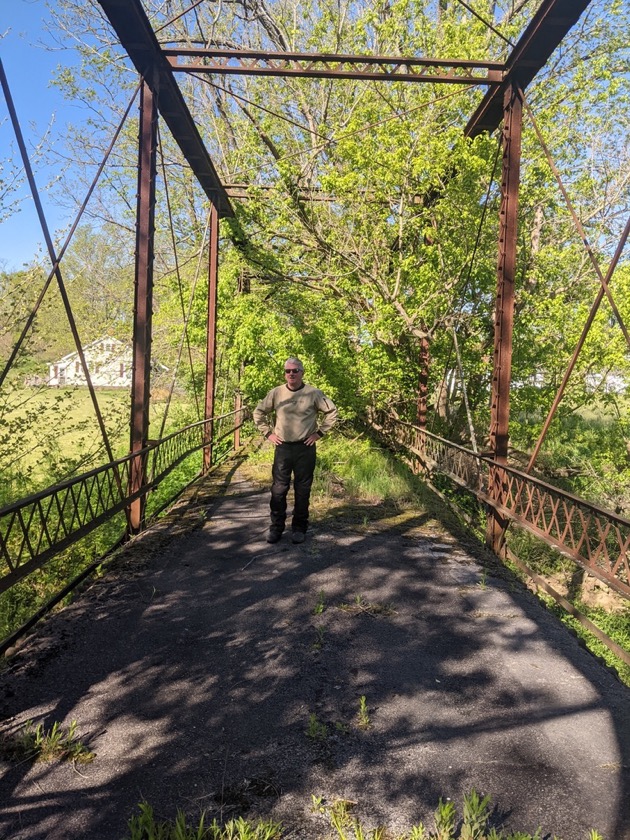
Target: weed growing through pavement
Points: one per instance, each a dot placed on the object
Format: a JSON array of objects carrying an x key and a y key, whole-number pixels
[
  {"x": 339, "y": 816},
  {"x": 34, "y": 743},
  {"x": 445, "y": 818},
  {"x": 318, "y": 644},
  {"x": 145, "y": 826},
  {"x": 476, "y": 811},
  {"x": 474, "y": 824},
  {"x": 320, "y": 606},
  {"x": 360, "y": 605},
  {"x": 483, "y": 579},
  {"x": 363, "y": 715},
  {"x": 316, "y": 730}
]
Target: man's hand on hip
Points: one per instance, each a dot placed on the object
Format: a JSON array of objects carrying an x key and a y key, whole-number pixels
[
  {"x": 273, "y": 437},
  {"x": 311, "y": 439}
]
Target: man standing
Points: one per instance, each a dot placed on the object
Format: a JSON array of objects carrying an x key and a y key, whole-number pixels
[{"x": 287, "y": 417}]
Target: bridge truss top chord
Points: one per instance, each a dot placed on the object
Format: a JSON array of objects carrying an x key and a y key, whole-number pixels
[{"x": 329, "y": 66}]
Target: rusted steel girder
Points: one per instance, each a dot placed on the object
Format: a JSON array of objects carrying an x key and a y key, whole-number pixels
[
  {"x": 143, "y": 298},
  {"x": 504, "y": 311},
  {"x": 211, "y": 345},
  {"x": 136, "y": 35},
  {"x": 330, "y": 66},
  {"x": 544, "y": 33}
]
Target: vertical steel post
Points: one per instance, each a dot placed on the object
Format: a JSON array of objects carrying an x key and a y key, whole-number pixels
[
  {"x": 143, "y": 297},
  {"x": 211, "y": 349},
  {"x": 504, "y": 311}
]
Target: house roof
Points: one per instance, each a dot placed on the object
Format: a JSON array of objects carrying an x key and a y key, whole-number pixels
[{"x": 87, "y": 347}]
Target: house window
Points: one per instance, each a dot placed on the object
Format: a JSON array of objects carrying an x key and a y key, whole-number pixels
[
  {"x": 77, "y": 367},
  {"x": 122, "y": 369}
]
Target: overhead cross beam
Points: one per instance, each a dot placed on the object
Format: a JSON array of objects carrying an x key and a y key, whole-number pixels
[
  {"x": 136, "y": 35},
  {"x": 546, "y": 30},
  {"x": 332, "y": 66}
]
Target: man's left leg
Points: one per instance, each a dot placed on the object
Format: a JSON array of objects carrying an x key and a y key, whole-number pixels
[
  {"x": 303, "y": 469},
  {"x": 281, "y": 480}
]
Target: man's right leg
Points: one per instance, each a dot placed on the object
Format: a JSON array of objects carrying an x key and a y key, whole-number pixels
[{"x": 281, "y": 480}]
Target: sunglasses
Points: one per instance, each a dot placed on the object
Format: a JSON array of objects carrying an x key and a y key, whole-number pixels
[{"x": 292, "y": 370}]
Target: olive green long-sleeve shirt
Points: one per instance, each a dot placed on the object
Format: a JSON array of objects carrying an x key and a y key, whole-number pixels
[{"x": 293, "y": 415}]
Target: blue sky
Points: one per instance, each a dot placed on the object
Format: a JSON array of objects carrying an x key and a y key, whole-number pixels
[{"x": 29, "y": 68}]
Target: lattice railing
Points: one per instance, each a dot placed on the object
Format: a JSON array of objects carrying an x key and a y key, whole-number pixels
[
  {"x": 34, "y": 529},
  {"x": 593, "y": 537}
]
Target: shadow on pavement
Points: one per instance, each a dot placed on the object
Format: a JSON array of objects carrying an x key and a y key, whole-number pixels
[{"x": 211, "y": 671}]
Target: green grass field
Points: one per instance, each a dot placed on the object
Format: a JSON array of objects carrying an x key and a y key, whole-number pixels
[{"x": 49, "y": 433}]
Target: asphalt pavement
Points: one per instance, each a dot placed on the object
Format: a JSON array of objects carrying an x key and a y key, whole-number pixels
[{"x": 384, "y": 663}]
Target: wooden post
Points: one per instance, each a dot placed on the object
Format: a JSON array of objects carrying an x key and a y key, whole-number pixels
[
  {"x": 238, "y": 406},
  {"x": 423, "y": 384}
]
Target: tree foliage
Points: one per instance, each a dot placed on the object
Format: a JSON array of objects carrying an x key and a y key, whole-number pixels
[{"x": 369, "y": 223}]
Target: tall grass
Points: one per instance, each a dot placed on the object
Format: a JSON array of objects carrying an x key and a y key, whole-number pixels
[
  {"x": 51, "y": 434},
  {"x": 364, "y": 471}
]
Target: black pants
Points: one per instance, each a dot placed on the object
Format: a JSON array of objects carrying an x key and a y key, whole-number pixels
[{"x": 297, "y": 459}]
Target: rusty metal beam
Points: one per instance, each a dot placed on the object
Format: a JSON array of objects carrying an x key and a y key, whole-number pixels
[
  {"x": 134, "y": 31},
  {"x": 546, "y": 30},
  {"x": 331, "y": 66},
  {"x": 504, "y": 311},
  {"x": 143, "y": 298},
  {"x": 211, "y": 346}
]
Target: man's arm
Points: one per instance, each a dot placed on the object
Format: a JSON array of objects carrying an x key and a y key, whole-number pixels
[
  {"x": 329, "y": 410},
  {"x": 261, "y": 414}
]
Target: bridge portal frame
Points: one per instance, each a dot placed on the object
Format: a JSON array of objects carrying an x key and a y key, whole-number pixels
[{"x": 503, "y": 103}]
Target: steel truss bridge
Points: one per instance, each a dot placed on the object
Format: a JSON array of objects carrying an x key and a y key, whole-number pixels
[{"x": 36, "y": 529}]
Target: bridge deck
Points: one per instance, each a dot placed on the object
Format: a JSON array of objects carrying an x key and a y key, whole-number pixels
[{"x": 194, "y": 666}]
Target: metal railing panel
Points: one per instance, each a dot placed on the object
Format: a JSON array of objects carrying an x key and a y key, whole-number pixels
[
  {"x": 595, "y": 538},
  {"x": 34, "y": 529}
]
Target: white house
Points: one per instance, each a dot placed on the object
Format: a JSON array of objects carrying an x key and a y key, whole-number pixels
[{"x": 109, "y": 362}]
